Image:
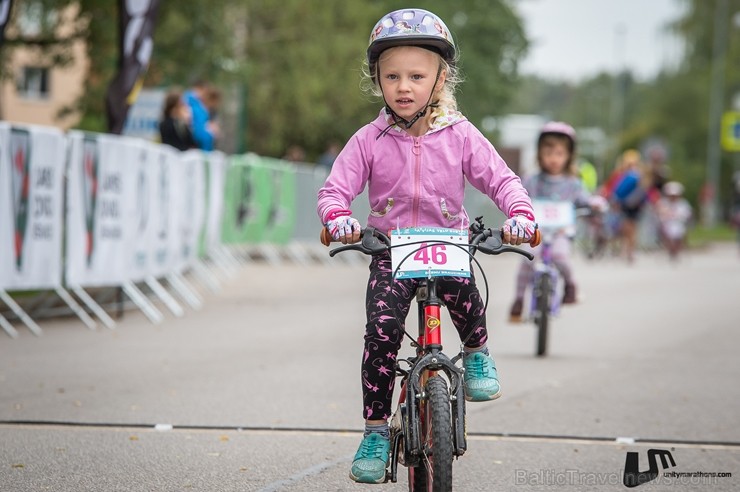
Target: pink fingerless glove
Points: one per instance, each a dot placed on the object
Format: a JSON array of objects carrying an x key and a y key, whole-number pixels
[
  {"x": 340, "y": 223},
  {"x": 520, "y": 226}
]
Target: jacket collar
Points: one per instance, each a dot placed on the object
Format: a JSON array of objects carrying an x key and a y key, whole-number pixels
[{"x": 445, "y": 118}]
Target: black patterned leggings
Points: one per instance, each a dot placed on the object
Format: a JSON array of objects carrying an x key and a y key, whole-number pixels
[{"x": 383, "y": 334}]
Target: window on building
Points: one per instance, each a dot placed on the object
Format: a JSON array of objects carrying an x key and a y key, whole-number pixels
[
  {"x": 35, "y": 18},
  {"x": 33, "y": 83}
]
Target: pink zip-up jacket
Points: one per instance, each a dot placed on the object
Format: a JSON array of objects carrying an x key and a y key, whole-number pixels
[{"x": 420, "y": 181}]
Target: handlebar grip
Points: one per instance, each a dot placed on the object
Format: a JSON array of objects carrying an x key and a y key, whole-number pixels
[
  {"x": 325, "y": 237},
  {"x": 537, "y": 239}
]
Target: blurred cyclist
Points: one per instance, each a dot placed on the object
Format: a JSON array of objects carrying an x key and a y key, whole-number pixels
[{"x": 556, "y": 181}]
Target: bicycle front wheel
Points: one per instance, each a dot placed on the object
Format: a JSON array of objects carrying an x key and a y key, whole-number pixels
[
  {"x": 543, "y": 290},
  {"x": 434, "y": 473}
]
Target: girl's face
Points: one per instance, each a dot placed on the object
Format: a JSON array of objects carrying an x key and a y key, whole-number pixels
[
  {"x": 183, "y": 112},
  {"x": 555, "y": 157},
  {"x": 407, "y": 76}
]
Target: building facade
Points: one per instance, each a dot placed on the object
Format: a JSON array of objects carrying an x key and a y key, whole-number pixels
[{"x": 35, "y": 91}]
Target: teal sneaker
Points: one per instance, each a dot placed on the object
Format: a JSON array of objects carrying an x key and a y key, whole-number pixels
[
  {"x": 481, "y": 379},
  {"x": 371, "y": 460}
]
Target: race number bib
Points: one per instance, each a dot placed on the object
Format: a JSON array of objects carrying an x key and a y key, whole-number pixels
[
  {"x": 553, "y": 214},
  {"x": 426, "y": 252}
]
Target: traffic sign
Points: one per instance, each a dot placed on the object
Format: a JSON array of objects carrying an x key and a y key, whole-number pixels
[{"x": 731, "y": 131}]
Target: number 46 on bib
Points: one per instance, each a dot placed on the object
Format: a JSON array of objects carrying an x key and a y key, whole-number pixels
[{"x": 430, "y": 252}]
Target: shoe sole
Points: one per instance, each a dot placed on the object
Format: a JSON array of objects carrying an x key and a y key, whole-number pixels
[
  {"x": 358, "y": 480},
  {"x": 491, "y": 398}
]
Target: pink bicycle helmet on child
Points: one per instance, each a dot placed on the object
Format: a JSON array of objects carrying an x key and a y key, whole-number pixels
[{"x": 559, "y": 128}]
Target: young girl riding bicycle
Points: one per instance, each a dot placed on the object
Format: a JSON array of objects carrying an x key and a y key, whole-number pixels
[
  {"x": 414, "y": 159},
  {"x": 556, "y": 181}
]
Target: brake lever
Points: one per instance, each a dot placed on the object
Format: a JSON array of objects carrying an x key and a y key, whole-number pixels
[{"x": 372, "y": 242}]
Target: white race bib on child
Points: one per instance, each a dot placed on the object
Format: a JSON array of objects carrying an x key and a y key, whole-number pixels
[
  {"x": 430, "y": 252},
  {"x": 551, "y": 214}
]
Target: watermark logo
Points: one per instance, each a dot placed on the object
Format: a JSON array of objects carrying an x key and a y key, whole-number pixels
[
  {"x": 659, "y": 472},
  {"x": 632, "y": 474}
]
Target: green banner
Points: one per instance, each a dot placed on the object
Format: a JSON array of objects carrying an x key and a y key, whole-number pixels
[
  {"x": 247, "y": 198},
  {"x": 282, "y": 215}
]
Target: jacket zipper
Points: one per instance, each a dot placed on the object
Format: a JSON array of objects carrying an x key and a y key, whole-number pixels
[{"x": 417, "y": 180}]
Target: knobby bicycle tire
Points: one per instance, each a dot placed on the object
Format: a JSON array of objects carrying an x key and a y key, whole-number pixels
[
  {"x": 434, "y": 473},
  {"x": 542, "y": 311}
]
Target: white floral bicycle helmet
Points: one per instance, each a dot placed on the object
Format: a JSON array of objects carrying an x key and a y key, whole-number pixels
[{"x": 410, "y": 27}]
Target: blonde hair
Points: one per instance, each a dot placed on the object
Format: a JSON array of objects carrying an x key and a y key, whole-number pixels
[
  {"x": 444, "y": 97},
  {"x": 633, "y": 158}
]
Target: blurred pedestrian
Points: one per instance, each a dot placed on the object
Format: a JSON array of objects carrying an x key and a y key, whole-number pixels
[
  {"x": 735, "y": 214},
  {"x": 212, "y": 101},
  {"x": 628, "y": 189},
  {"x": 174, "y": 127},
  {"x": 674, "y": 214},
  {"x": 589, "y": 175},
  {"x": 195, "y": 98},
  {"x": 326, "y": 159},
  {"x": 658, "y": 170},
  {"x": 295, "y": 153}
]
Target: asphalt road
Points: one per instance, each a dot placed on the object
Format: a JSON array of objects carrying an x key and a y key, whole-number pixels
[{"x": 262, "y": 388}]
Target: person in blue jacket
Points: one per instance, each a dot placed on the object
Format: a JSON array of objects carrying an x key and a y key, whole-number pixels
[{"x": 202, "y": 131}]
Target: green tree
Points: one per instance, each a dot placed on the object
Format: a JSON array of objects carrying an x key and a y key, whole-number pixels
[
  {"x": 303, "y": 72},
  {"x": 673, "y": 106},
  {"x": 491, "y": 40},
  {"x": 304, "y": 65},
  {"x": 676, "y": 105},
  {"x": 297, "y": 62}
]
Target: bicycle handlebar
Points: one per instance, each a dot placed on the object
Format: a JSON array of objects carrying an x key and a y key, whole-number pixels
[{"x": 486, "y": 240}]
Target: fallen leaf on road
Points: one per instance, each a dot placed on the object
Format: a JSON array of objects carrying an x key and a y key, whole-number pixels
[
  {"x": 223, "y": 438},
  {"x": 19, "y": 465},
  {"x": 133, "y": 438}
]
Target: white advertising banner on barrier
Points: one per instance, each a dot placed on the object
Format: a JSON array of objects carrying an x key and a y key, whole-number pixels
[
  {"x": 216, "y": 182},
  {"x": 147, "y": 223},
  {"x": 101, "y": 208},
  {"x": 31, "y": 204},
  {"x": 189, "y": 202},
  {"x": 162, "y": 213}
]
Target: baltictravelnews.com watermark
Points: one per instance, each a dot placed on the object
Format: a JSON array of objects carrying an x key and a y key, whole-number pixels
[{"x": 658, "y": 463}]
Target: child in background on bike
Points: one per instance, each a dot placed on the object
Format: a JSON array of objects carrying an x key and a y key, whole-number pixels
[
  {"x": 557, "y": 180},
  {"x": 414, "y": 159},
  {"x": 674, "y": 214}
]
